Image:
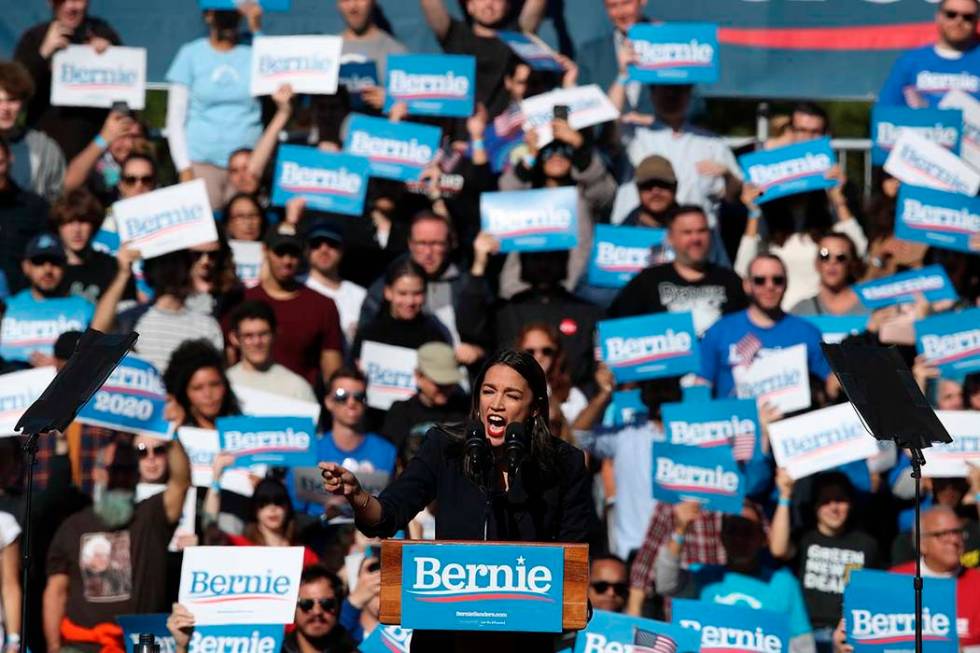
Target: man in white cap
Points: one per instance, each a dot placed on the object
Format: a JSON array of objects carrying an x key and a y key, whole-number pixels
[{"x": 439, "y": 399}]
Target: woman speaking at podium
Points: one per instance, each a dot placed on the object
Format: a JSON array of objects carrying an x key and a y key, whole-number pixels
[{"x": 534, "y": 489}]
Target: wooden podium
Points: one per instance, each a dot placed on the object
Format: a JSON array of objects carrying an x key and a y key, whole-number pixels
[{"x": 574, "y": 590}]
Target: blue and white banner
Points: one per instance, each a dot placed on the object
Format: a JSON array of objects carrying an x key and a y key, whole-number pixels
[
  {"x": 390, "y": 371},
  {"x": 538, "y": 220},
  {"x": 674, "y": 53},
  {"x": 532, "y": 50},
  {"x": 18, "y": 390},
  {"x": 627, "y": 407},
  {"x": 610, "y": 632},
  {"x": 358, "y": 76},
  {"x": 247, "y": 585},
  {"x": 937, "y": 218},
  {"x": 901, "y": 288},
  {"x": 279, "y": 441},
  {"x": 940, "y": 126},
  {"x": 920, "y": 162},
  {"x": 432, "y": 84},
  {"x": 718, "y": 423},
  {"x": 733, "y": 628},
  {"x": 791, "y": 169},
  {"x": 467, "y": 587},
  {"x": 81, "y": 77},
  {"x": 587, "y": 106},
  {"x": 879, "y": 609},
  {"x": 620, "y": 253},
  {"x": 204, "y": 639},
  {"x": 708, "y": 475},
  {"x": 396, "y": 150},
  {"x": 820, "y": 440},
  {"x": 779, "y": 377},
  {"x": 310, "y": 64},
  {"x": 267, "y": 5},
  {"x": 649, "y": 346},
  {"x": 953, "y": 460},
  {"x": 31, "y": 326},
  {"x": 387, "y": 639},
  {"x": 951, "y": 342},
  {"x": 834, "y": 328},
  {"x": 329, "y": 181},
  {"x": 970, "y": 135},
  {"x": 248, "y": 257},
  {"x": 167, "y": 219},
  {"x": 132, "y": 399},
  {"x": 202, "y": 445}
]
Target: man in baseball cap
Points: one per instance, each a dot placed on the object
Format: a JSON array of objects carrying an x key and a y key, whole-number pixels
[{"x": 324, "y": 253}]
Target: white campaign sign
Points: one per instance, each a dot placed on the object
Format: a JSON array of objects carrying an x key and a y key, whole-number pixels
[
  {"x": 970, "y": 141},
  {"x": 224, "y": 585},
  {"x": 18, "y": 390},
  {"x": 310, "y": 64},
  {"x": 248, "y": 260},
  {"x": 166, "y": 220},
  {"x": 81, "y": 77},
  {"x": 390, "y": 372},
  {"x": 820, "y": 440},
  {"x": 779, "y": 377},
  {"x": 259, "y": 403},
  {"x": 950, "y": 460},
  {"x": 202, "y": 445},
  {"x": 587, "y": 106},
  {"x": 919, "y": 162}
]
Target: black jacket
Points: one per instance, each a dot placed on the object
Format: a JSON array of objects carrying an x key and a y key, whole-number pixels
[{"x": 556, "y": 507}]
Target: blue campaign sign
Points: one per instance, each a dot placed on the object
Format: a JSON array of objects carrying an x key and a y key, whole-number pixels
[
  {"x": 396, "y": 150},
  {"x": 132, "y": 399},
  {"x": 530, "y": 51},
  {"x": 880, "y": 613},
  {"x": 329, "y": 181},
  {"x": 539, "y": 220},
  {"x": 432, "y": 84},
  {"x": 901, "y": 288},
  {"x": 791, "y": 169},
  {"x": 610, "y": 631},
  {"x": 733, "y": 628},
  {"x": 205, "y": 639},
  {"x": 466, "y": 587},
  {"x": 941, "y": 126},
  {"x": 620, "y": 253},
  {"x": 718, "y": 423},
  {"x": 834, "y": 328},
  {"x": 708, "y": 475},
  {"x": 937, "y": 218},
  {"x": 31, "y": 325},
  {"x": 357, "y": 76},
  {"x": 674, "y": 53},
  {"x": 951, "y": 341},
  {"x": 278, "y": 441},
  {"x": 627, "y": 407},
  {"x": 649, "y": 346},
  {"x": 267, "y": 5},
  {"x": 387, "y": 639}
]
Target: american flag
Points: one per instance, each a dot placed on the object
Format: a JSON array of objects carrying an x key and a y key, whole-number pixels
[
  {"x": 747, "y": 348},
  {"x": 743, "y": 446},
  {"x": 507, "y": 123},
  {"x": 645, "y": 641}
]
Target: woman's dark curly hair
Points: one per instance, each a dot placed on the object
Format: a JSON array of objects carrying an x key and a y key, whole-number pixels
[{"x": 185, "y": 361}]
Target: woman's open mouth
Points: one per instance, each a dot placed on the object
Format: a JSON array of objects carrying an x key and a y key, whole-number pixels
[{"x": 496, "y": 426}]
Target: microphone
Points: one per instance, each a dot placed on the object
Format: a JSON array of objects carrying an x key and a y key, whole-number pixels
[
  {"x": 515, "y": 447},
  {"x": 476, "y": 448}
]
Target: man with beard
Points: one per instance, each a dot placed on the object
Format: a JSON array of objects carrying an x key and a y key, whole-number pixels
[
  {"x": 37, "y": 315},
  {"x": 106, "y": 560},
  {"x": 478, "y": 37}
]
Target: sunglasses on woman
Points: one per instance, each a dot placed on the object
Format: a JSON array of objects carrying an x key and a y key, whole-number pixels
[
  {"x": 327, "y": 605},
  {"x": 132, "y": 180}
]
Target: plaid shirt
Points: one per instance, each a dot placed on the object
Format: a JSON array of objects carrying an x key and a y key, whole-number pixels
[
  {"x": 702, "y": 544},
  {"x": 90, "y": 440}
]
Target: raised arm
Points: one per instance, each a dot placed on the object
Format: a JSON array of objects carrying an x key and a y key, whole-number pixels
[
  {"x": 105, "y": 310},
  {"x": 532, "y": 14},
  {"x": 437, "y": 17},
  {"x": 180, "y": 479},
  {"x": 780, "y": 545},
  {"x": 116, "y": 126},
  {"x": 283, "y": 97}
]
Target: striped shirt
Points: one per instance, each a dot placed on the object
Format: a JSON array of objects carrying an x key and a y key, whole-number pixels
[{"x": 162, "y": 331}]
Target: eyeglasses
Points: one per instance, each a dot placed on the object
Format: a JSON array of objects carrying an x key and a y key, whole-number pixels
[
  {"x": 131, "y": 180},
  {"x": 953, "y": 15},
  {"x": 954, "y": 532},
  {"x": 824, "y": 255},
  {"x": 211, "y": 254},
  {"x": 778, "y": 280},
  {"x": 603, "y": 586},
  {"x": 341, "y": 396},
  {"x": 143, "y": 451},
  {"x": 547, "y": 352},
  {"x": 327, "y": 605},
  {"x": 258, "y": 335}
]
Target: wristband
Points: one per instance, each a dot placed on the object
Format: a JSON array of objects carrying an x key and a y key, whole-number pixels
[
  {"x": 216, "y": 485},
  {"x": 101, "y": 142},
  {"x": 622, "y": 78},
  {"x": 677, "y": 538},
  {"x": 13, "y": 638},
  {"x": 477, "y": 144},
  {"x": 784, "y": 501},
  {"x": 755, "y": 213},
  {"x": 976, "y": 497},
  {"x": 529, "y": 161}
]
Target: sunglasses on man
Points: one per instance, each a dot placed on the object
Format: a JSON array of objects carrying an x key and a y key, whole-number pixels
[{"x": 327, "y": 605}]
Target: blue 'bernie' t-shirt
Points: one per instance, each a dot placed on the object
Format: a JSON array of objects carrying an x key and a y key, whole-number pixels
[
  {"x": 718, "y": 355},
  {"x": 925, "y": 73}
]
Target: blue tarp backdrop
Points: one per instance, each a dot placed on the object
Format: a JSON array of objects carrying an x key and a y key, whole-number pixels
[{"x": 770, "y": 48}]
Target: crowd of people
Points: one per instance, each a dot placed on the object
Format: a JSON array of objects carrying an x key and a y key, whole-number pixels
[{"x": 417, "y": 271}]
